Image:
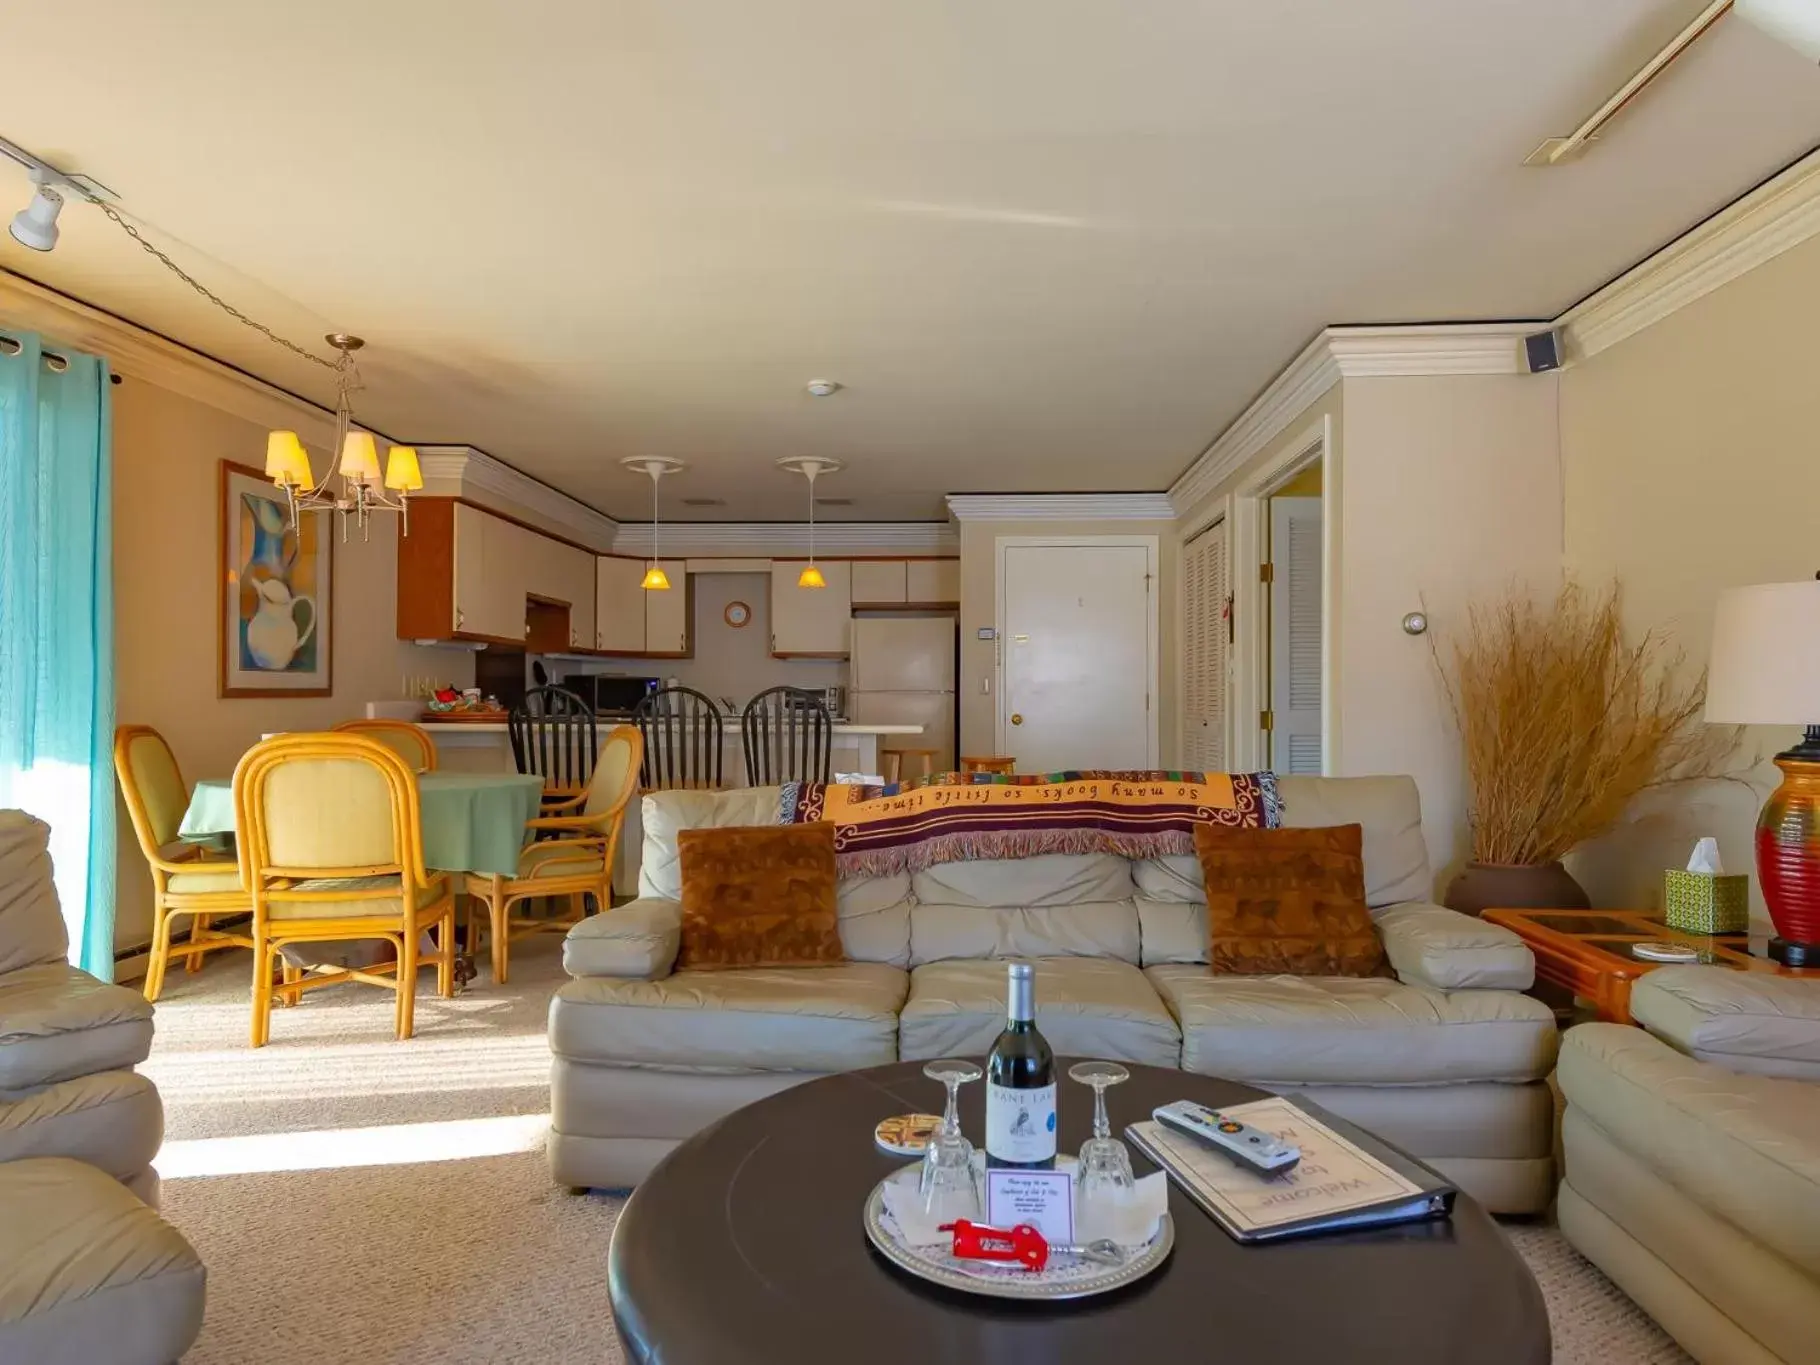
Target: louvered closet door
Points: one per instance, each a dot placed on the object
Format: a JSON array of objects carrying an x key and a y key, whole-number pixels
[
  {"x": 1206, "y": 651},
  {"x": 1295, "y": 635}
]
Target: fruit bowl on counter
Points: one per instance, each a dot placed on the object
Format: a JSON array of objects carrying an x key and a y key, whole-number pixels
[{"x": 448, "y": 705}]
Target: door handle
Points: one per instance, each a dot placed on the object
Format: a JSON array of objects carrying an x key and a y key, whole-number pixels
[{"x": 1017, "y": 718}]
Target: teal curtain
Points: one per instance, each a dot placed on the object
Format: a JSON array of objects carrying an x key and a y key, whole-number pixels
[{"x": 57, "y": 623}]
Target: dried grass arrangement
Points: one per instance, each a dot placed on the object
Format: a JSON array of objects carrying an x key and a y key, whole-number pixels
[{"x": 1563, "y": 722}]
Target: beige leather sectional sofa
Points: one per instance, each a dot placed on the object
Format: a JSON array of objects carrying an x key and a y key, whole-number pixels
[
  {"x": 1447, "y": 1059},
  {"x": 89, "y": 1273},
  {"x": 1692, "y": 1149}
]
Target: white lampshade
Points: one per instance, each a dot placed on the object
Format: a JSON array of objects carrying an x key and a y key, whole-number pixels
[
  {"x": 359, "y": 457},
  {"x": 285, "y": 462},
  {"x": 1765, "y": 667},
  {"x": 403, "y": 474}
]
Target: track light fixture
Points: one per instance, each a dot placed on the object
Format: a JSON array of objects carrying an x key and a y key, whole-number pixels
[{"x": 35, "y": 225}]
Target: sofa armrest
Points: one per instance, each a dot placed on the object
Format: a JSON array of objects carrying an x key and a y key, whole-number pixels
[
  {"x": 1431, "y": 946},
  {"x": 1744, "y": 1021},
  {"x": 638, "y": 939}
]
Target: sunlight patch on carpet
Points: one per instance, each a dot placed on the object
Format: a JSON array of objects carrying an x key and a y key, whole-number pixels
[{"x": 395, "y": 1144}]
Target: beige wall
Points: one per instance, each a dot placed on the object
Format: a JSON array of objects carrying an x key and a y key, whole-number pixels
[
  {"x": 167, "y": 453},
  {"x": 1692, "y": 466},
  {"x": 979, "y": 607},
  {"x": 1450, "y": 492}
]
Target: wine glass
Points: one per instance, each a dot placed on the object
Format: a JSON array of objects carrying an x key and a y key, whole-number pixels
[
  {"x": 1104, "y": 1175},
  {"x": 948, "y": 1187}
]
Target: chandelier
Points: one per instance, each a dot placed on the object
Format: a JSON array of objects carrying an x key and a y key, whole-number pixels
[{"x": 362, "y": 490}]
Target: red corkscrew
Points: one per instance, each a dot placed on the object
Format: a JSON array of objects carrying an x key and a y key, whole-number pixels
[{"x": 978, "y": 1242}]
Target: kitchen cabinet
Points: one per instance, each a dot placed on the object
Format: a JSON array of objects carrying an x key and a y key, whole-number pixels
[
  {"x": 489, "y": 575},
  {"x": 561, "y": 573},
  {"x": 668, "y": 614},
  {"x": 933, "y": 582},
  {"x": 465, "y": 573},
  {"x": 880, "y": 582},
  {"x": 619, "y": 606},
  {"x": 811, "y": 621}
]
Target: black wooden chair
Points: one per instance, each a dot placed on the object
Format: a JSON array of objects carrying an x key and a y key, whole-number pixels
[
  {"x": 683, "y": 731},
  {"x": 788, "y": 737},
  {"x": 553, "y": 736}
]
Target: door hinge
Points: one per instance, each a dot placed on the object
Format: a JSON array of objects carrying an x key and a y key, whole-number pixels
[
  {"x": 1267, "y": 573},
  {"x": 1266, "y": 720}
]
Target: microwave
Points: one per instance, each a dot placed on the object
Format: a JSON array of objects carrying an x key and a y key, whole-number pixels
[{"x": 611, "y": 694}]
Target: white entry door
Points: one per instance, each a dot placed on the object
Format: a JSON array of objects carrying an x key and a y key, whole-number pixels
[
  {"x": 1078, "y": 630},
  {"x": 1295, "y": 635}
]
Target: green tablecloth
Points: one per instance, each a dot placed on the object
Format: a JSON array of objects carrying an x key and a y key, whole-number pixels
[{"x": 472, "y": 822}]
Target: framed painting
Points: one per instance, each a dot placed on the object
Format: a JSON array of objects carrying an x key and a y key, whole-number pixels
[{"x": 276, "y": 600}]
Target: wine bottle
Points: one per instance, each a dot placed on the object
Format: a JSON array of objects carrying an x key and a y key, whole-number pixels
[{"x": 1020, "y": 1083}]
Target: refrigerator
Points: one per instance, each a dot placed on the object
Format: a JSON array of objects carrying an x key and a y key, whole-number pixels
[{"x": 903, "y": 671}]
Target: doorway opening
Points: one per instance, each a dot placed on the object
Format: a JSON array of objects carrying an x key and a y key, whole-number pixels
[{"x": 1293, "y": 575}]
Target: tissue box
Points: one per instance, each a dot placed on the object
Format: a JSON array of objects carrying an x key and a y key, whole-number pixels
[{"x": 1701, "y": 903}]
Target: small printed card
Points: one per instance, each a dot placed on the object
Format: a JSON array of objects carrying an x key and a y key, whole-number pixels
[{"x": 1044, "y": 1199}]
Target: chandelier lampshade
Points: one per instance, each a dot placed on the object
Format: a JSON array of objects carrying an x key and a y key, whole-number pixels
[
  {"x": 403, "y": 473},
  {"x": 360, "y": 458},
  {"x": 286, "y": 464}
]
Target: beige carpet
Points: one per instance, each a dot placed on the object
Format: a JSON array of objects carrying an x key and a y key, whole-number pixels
[{"x": 456, "y": 1246}]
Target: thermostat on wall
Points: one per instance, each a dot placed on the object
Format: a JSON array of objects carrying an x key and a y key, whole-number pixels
[{"x": 987, "y": 633}]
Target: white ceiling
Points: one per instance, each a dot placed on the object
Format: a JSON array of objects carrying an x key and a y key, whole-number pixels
[{"x": 1047, "y": 244}]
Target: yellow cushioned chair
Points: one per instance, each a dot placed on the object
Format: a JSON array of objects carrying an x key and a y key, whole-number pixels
[
  {"x": 331, "y": 848},
  {"x": 576, "y": 865},
  {"x": 411, "y": 742},
  {"x": 184, "y": 880}
]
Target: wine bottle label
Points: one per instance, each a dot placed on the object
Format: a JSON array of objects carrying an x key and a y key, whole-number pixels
[{"x": 1020, "y": 1124}]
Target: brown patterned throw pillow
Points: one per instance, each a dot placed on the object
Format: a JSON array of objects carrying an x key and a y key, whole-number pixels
[
  {"x": 1287, "y": 901},
  {"x": 758, "y": 897}
]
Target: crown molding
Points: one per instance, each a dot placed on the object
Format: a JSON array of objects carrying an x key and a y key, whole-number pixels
[
  {"x": 463, "y": 471},
  {"x": 1779, "y": 214},
  {"x": 1338, "y": 353},
  {"x": 1060, "y": 507},
  {"x": 132, "y": 351},
  {"x": 766, "y": 539}
]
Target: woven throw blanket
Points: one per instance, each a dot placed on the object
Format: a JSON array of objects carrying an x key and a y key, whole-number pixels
[{"x": 883, "y": 830}]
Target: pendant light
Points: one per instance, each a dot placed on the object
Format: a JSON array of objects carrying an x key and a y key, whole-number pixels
[
  {"x": 809, "y": 466},
  {"x": 655, "y": 579}
]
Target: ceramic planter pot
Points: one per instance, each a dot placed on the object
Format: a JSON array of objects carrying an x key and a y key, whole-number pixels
[{"x": 1514, "y": 886}]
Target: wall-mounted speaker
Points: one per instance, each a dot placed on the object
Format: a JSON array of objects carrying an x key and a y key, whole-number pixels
[{"x": 1542, "y": 350}]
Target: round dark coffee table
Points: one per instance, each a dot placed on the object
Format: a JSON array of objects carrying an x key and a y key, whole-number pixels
[{"x": 746, "y": 1245}]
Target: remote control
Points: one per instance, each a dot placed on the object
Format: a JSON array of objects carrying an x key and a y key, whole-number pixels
[{"x": 1249, "y": 1147}]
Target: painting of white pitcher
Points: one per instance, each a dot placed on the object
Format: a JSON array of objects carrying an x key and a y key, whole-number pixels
[{"x": 275, "y": 603}]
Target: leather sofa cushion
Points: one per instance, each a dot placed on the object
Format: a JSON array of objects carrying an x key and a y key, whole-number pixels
[
  {"x": 1085, "y": 1007},
  {"x": 939, "y": 933},
  {"x": 1290, "y": 1030},
  {"x": 89, "y": 1273},
  {"x": 57, "y": 1022},
  {"x": 758, "y": 896},
  {"x": 1746, "y": 1021},
  {"x": 1044, "y": 880},
  {"x": 1432, "y": 946},
  {"x": 31, "y": 925},
  {"x": 1170, "y": 930},
  {"x": 113, "y": 1120},
  {"x": 814, "y": 1019},
  {"x": 1387, "y": 808},
  {"x": 638, "y": 939},
  {"x": 665, "y": 814},
  {"x": 1746, "y": 1148}
]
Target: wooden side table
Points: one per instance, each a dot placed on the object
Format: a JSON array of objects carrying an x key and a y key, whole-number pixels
[{"x": 1588, "y": 952}]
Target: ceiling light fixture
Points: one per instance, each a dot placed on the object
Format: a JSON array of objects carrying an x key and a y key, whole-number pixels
[
  {"x": 354, "y": 456},
  {"x": 810, "y": 466},
  {"x": 655, "y": 579},
  {"x": 821, "y": 388},
  {"x": 35, "y": 225}
]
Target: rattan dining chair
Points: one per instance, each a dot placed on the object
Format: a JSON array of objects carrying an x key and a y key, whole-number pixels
[
  {"x": 553, "y": 737},
  {"x": 331, "y": 848},
  {"x": 574, "y": 865},
  {"x": 684, "y": 734},
  {"x": 788, "y": 736},
  {"x": 184, "y": 880},
  {"x": 412, "y": 742}
]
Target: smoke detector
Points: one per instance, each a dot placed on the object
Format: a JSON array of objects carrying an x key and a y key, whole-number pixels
[{"x": 821, "y": 388}]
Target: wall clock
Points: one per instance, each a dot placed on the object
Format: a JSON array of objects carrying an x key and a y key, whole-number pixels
[{"x": 737, "y": 614}]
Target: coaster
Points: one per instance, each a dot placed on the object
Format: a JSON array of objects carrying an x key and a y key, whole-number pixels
[
  {"x": 906, "y": 1134},
  {"x": 1665, "y": 952}
]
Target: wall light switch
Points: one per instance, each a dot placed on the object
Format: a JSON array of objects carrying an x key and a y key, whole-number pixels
[{"x": 986, "y": 685}]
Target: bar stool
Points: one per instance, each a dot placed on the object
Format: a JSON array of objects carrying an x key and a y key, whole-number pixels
[
  {"x": 893, "y": 761},
  {"x": 995, "y": 763}
]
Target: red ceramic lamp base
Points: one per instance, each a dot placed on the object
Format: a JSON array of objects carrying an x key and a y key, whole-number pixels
[{"x": 1788, "y": 855}]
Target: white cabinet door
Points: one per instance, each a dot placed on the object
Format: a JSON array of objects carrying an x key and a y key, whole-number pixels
[
  {"x": 574, "y": 583},
  {"x": 812, "y": 621},
  {"x": 1204, "y": 651},
  {"x": 667, "y": 611},
  {"x": 512, "y": 554},
  {"x": 879, "y": 582},
  {"x": 470, "y": 568},
  {"x": 933, "y": 582},
  {"x": 619, "y": 606}
]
